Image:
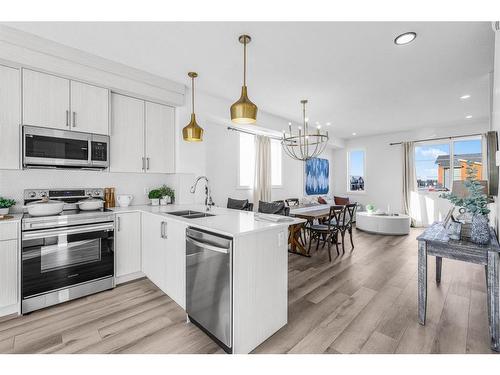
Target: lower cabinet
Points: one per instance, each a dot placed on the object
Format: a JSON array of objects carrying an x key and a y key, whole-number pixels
[
  {"x": 128, "y": 245},
  {"x": 8, "y": 272},
  {"x": 163, "y": 255}
]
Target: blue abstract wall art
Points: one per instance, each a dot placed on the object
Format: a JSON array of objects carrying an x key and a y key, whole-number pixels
[{"x": 317, "y": 176}]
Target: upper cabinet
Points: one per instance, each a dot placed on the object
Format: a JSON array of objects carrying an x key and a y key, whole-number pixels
[
  {"x": 160, "y": 138},
  {"x": 55, "y": 102},
  {"x": 45, "y": 100},
  {"x": 142, "y": 136},
  {"x": 10, "y": 118},
  {"x": 89, "y": 108}
]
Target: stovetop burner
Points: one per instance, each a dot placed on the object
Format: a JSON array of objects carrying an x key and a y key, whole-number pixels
[{"x": 71, "y": 212}]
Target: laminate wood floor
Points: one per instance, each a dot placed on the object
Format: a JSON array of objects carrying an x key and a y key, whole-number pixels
[{"x": 364, "y": 301}]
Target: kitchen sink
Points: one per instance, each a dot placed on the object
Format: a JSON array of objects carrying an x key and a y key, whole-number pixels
[{"x": 188, "y": 214}]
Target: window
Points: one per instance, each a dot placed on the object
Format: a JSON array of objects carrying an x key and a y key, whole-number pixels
[
  {"x": 275, "y": 162},
  {"x": 432, "y": 166},
  {"x": 439, "y": 164},
  {"x": 247, "y": 161},
  {"x": 356, "y": 171}
]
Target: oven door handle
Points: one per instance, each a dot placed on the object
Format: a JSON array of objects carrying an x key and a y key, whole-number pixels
[{"x": 66, "y": 230}]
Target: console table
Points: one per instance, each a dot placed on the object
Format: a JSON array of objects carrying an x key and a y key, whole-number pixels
[{"x": 435, "y": 241}]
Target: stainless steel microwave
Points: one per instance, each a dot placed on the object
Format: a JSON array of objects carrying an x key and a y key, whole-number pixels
[{"x": 53, "y": 148}]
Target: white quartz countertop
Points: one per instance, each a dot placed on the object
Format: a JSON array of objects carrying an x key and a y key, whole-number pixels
[{"x": 226, "y": 221}]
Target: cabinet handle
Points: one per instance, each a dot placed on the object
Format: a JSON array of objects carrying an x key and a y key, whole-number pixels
[
  {"x": 74, "y": 119},
  {"x": 118, "y": 224},
  {"x": 163, "y": 229},
  {"x": 67, "y": 118},
  {"x": 143, "y": 167},
  {"x": 147, "y": 164}
]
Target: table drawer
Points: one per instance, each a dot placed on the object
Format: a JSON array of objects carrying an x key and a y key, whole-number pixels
[{"x": 8, "y": 231}]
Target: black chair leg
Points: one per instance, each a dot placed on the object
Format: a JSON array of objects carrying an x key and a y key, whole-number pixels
[
  {"x": 336, "y": 239},
  {"x": 329, "y": 250},
  {"x": 310, "y": 242},
  {"x": 318, "y": 236},
  {"x": 350, "y": 235},
  {"x": 343, "y": 247}
]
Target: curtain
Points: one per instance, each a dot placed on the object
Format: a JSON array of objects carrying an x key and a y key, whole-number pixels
[
  {"x": 490, "y": 140},
  {"x": 262, "y": 180},
  {"x": 409, "y": 178}
]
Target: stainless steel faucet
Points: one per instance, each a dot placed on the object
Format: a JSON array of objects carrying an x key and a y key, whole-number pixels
[{"x": 208, "y": 198}]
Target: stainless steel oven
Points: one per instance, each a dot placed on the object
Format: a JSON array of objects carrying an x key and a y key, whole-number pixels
[
  {"x": 53, "y": 148},
  {"x": 66, "y": 256}
]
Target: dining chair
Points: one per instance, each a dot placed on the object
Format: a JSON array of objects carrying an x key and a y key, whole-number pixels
[
  {"x": 345, "y": 225},
  {"x": 328, "y": 231},
  {"x": 276, "y": 207},
  {"x": 239, "y": 204}
]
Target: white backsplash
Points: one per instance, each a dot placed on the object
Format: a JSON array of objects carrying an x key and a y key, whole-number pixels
[{"x": 13, "y": 183}]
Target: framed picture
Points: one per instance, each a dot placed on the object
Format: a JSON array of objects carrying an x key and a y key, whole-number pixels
[{"x": 317, "y": 176}]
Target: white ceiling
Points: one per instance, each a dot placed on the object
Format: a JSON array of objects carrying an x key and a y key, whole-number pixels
[{"x": 351, "y": 72}]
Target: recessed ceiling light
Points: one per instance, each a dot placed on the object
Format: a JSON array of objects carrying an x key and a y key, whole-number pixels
[
  {"x": 466, "y": 96},
  {"x": 468, "y": 116},
  {"x": 328, "y": 124},
  {"x": 289, "y": 124},
  {"x": 318, "y": 127},
  {"x": 353, "y": 133},
  {"x": 405, "y": 38}
]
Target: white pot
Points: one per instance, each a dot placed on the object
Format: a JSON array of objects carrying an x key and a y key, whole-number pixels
[
  {"x": 155, "y": 202},
  {"x": 4, "y": 211},
  {"x": 90, "y": 204},
  {"x": 163, "y": 202},
  {"x": 44, "y": 208},
  {"x": 124, "y": 199}
]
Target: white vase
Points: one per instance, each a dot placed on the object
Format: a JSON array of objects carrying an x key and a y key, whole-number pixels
[
  {"x": 4, "y": 211},
  {"x": 155, "y": 202}
]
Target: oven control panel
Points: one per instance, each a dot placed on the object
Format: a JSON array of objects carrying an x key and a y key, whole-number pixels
[{"x": 35, "y": 194}]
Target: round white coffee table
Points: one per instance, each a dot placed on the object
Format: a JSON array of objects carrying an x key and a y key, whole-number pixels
[{"x": 383, "y": 224}]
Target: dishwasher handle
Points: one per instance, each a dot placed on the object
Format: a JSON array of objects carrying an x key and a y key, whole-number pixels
[{"x": 207, "y": 246}]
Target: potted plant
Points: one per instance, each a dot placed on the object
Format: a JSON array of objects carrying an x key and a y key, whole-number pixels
[
  {"x": 155, "y": 196},
  {"x": 475, "y": 203},
  {"x": 370, "y": 208},
  {"x": 5, "y": 205},
  {"x": 167, "y": 194}
]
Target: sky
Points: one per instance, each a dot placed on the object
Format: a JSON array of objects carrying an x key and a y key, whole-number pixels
[
  {"x": 425, "y": 155},
  {"x": 356, "y": 160}
]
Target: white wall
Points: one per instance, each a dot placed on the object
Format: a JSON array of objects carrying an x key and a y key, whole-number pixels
[
  {"x": 383, "y": 182},
  {"x": 217, "y": 156}
]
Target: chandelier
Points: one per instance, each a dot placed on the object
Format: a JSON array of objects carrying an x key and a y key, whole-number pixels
[{"x": 304, "y": 145}]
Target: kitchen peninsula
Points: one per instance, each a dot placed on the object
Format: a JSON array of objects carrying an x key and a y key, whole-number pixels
[{"x": 151, "y": 242}]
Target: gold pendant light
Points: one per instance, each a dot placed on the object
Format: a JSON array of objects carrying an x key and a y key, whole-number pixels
[
  {"x": 192, "y": 132},
  {"x": 244, "y": 111}
]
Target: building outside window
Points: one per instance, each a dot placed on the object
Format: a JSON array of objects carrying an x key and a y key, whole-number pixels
[{"x": 356, "y": 171}]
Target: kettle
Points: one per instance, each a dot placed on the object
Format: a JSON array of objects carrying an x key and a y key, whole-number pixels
[{"x": 124, "y": 199}]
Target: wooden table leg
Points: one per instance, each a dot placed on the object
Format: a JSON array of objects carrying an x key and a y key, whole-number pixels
[
  {"x": 439, "y": 266},
  {"x": 422, "y": 281},
  {"x": 493, "y": 299},
  {"x": 296, "y": 246}
]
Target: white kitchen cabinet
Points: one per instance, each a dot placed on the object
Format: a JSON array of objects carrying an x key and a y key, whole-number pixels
[
  {"x": 10, "y": 117},
  {"x": 164, "y": 255},
  {"x": 128, "y": 244},
  {"x": 9, "y": 268},
  {"x": 89, "y": 108},
  {"x": 153, "y": 248},
  {"x": 160, "y": 138},
  {"x": 45, "y": 100},
  {"x": 175, "y": 261},
  {"x": 55, "y": 102},
  {"x": 127, "y": 134}
]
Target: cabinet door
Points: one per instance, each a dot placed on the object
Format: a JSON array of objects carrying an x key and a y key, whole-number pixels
[
  {"x": 89, "y": 108},
  {"x": 175, "y": 262},
  {"x": 127, "y": 134},
  {"x": 153, "y": 249},
  {"x": 45, "y": 100},
  {"x": 10, "y": 117},
  {"x": 8, "y": 273},
  {"x": 160, "y": 138},
  {"x": 128, "y": 243}
]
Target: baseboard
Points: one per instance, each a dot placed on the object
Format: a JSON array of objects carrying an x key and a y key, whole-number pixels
[
  {"x": 129, "y": 277},
  {"x": 8, "y": 310}
]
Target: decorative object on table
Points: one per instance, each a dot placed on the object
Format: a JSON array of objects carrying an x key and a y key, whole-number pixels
[
  {"x": 370, "y": 208},
  {"x": 192, "y": 132},
  {"x": 454, "y": 229},
  {"x": 449, "y": 215},
  {"x": 124, "y": 199},
  {"x": 107, "y": 196},
  {"x": 155, "y": 196},
  {"x": 243, "y": 111},
  {"x": 5, "y": 205},
  {"x": 305, "y": 144},
  {"x": 317, "y": 177},
  {"x": 112, "y": 202},
  {"x": 475, "y": 202}
]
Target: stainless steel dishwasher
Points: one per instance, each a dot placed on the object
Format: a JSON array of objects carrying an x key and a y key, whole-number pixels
[{"x": 209, "y": 277}]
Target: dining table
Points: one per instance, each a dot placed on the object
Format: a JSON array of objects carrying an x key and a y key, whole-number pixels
[{"x": 298, "y": 232}]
